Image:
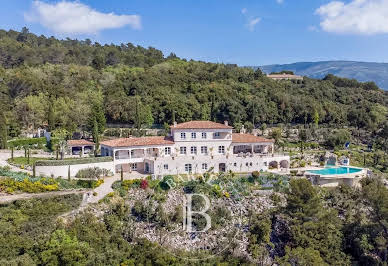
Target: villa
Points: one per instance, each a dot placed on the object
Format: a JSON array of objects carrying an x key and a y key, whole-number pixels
[
  {"x": 284, "y": 76},
  {"x": 194, "y": 147}
]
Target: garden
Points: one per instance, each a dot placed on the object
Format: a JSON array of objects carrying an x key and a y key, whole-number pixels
[{"x": 15, "y": 182}]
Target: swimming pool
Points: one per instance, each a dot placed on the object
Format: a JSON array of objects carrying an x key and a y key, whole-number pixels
[{"x": 336, "y": 171}]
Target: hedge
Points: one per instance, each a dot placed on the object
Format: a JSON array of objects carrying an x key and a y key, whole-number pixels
[
  {"x": 74, "y": 161},
  {"x": 26, "y": 142},
  {"x": 30, "y": 142}
]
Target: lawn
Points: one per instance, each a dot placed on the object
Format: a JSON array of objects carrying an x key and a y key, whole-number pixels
[{"x": 24, "y": 160}]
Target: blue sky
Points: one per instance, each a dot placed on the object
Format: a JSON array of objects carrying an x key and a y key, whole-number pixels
[{"x": 218, "y": 30}]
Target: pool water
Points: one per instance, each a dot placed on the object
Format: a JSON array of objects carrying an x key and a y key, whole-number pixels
[{"x": 336, "y": 171}]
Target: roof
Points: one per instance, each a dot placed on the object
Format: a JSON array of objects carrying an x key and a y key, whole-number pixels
[
  {"x": 142, "y": 141},
  {"x": 201, "y": 125},
  {"x": 248, "y": 138},
  {"x": 79, "y": 142}
]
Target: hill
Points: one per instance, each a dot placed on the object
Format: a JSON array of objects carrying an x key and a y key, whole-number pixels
[
  {"x": 361, "y": 71},
  {"x": 70, "y": 84}
]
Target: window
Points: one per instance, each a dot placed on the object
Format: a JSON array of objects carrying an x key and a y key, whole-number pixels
[
  {"x": 188, "y": 168},
  {"x": 183, "y": 135},
  {"x": 246, "y": 164},
  {"x": 193, "y": 150},
  {"x": 193, "y": 135},
  {"x": 221, "y": 149},
  {"x": 204, "y": 149},
  {"x": 235, "y": 164},
  {"x": 165, "y": 167},
  {"x": 217, "y": 135},
  {"x": 204, "y": 166},
  {"x": 183, "y": 150},
  {"x": 204, "y": 135},
  {"x": 167, "y": 150},
  {"x": 250, "y": 164},
  {"x": 134, "y": 166},
  {"x": 132, "y": 153},
  {"x": 265, "y": 163}
]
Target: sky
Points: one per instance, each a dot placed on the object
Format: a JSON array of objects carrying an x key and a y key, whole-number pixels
[{"x": 244, "y": 32}]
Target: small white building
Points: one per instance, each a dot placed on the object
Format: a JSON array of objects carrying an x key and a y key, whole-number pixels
[
  {"x": 194, "y": 147},
  {"x": 284, "y": 76}
]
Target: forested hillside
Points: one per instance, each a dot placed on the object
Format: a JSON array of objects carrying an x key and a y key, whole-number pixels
[{"x": 68, "y": 83}]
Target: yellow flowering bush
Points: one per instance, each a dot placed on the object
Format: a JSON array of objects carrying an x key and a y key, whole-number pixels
[{"x": 9, "y": 185}]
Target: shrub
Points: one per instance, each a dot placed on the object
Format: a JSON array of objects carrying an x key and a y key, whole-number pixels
[
  {"x": 255, "y": 174},
  {"x": 144, "y": 184},
  {"x": 133, "y": 183},
  {"x": 93, "y": 173}
]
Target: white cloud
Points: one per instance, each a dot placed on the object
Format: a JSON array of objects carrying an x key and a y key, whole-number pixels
[
  {"x": 357, "y": 17},
  {"x": 313, "y": 28},
  {"x": 252, "y": 23},
  {"x": 279, "y": 1},
  {"x": 244, "y": 11},
  {"x": 76, "y": 18}
]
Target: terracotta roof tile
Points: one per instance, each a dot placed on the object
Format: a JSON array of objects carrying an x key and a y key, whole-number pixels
[
  {"x": 79, "y": 142},
  {"x": 142, "y": 141},
  {"x": 201, "y": 125},
  {"x": 248, "y": 138}
]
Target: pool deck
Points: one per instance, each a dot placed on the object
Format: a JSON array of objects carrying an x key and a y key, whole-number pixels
[{"x": 351, "y": 179}]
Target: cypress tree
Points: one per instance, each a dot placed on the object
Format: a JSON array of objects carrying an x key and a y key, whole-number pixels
[
  {"x": 34, "y": 170},
  {"x": 68, "y": 173},
  {"x": 3, "y": 132},
  {"x": 28, "y": 156},
  {"x": 51, "y": 116},
  {"x": 122, "y": 174},
  {"x": 12, "y": 152},
  {"x": 96, "y": 137}
]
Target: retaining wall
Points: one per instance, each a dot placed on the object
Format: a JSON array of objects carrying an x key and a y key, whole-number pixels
[{"x": 62, "y": 170}]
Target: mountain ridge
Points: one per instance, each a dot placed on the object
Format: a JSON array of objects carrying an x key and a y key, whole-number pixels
[{"x": 361, "y": 71}]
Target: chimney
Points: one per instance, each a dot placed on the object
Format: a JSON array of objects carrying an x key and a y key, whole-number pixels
[
  {"x": 242, "y": 130},
  {"x": 175, "y": 123},
  {"x": 226, "y": 122}
]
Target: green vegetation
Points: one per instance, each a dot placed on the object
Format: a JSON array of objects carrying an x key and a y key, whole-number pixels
[
  {"x": 93, "y": 173},
  {"x": 70, "y": 84},
  {"x": 24, "y": 161},
  {"x": 13, "y": 182},
  {"x": 307, "y": 226}
]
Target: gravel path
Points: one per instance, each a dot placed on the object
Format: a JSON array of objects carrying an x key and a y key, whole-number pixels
[
  {"x": 6, "y": 154},
  {"x": 103, "y": 190}
]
